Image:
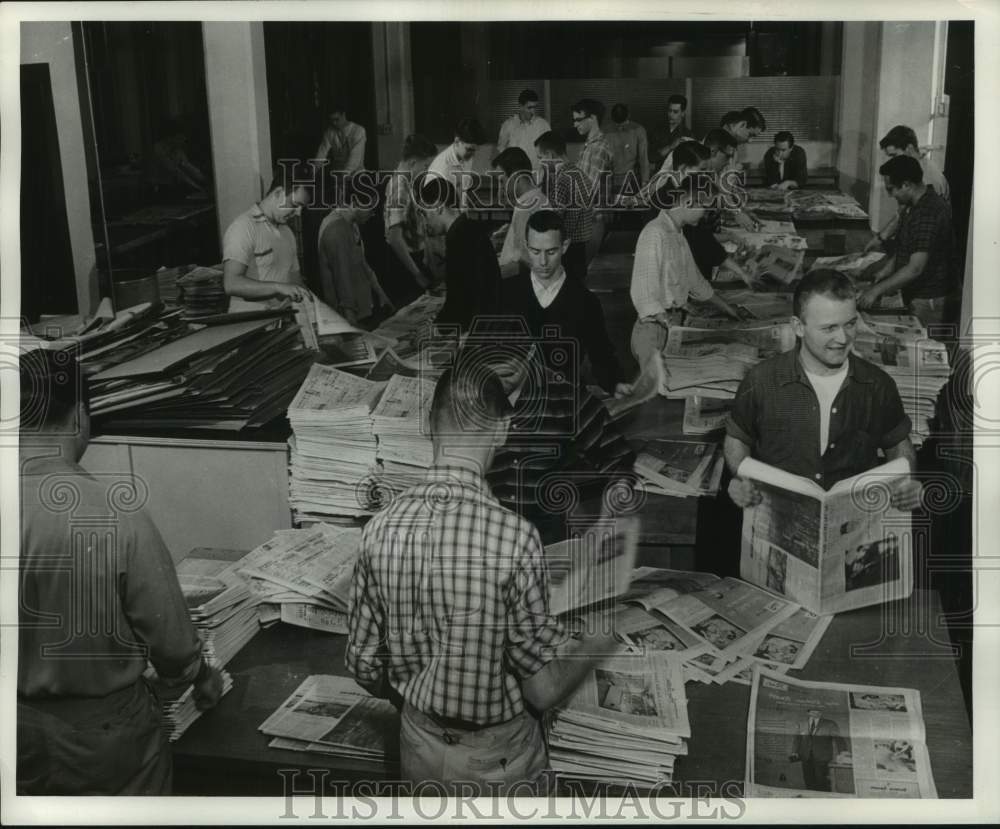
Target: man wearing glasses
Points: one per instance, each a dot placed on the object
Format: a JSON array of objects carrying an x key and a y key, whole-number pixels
[
  {"x": 259, "y": 255},
  {"x": 595, "y": 160}
]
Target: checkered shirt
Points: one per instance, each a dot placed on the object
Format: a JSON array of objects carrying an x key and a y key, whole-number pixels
[
  {"x": 595, "y": 158},
  {"x": 926, "y": 228},
  {"x": 450, "y": 601},
  {"x": 568, "y": 190}
]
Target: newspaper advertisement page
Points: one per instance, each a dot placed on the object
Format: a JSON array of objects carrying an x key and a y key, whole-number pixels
[
  {"x": 593, "y": 566},
  {"x": 818, "y": 739},
  {"x": 641, "y": 695},
  {"x": 730, "y": 614},
  {"x": 867, "y": 556},
  {"x": 782, "y": 535}
]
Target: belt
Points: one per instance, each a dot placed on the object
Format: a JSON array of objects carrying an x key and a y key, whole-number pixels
[{"x": 454, "y": 724}]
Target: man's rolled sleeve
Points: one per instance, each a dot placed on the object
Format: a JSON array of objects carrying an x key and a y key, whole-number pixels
[
  {"x": 699, "y": 287},
  {"x": 742, "y": 421},
  {"x": 646, "y": 288},
  {"x": 533, "y": 633},
  {"x": 364, "y": 656}
]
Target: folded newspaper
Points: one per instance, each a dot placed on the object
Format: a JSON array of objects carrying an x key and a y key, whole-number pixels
[
  {"x": 832, "y": 550},
  {"x": 592, "y": 567},
  {"x": 332, "y": 715},
  {"x": 822, "y": 739}
]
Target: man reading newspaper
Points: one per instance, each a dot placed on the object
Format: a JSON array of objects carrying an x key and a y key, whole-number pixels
[
  {"x": 450, "y": 609},
  {"x": 819, "y": 411}
]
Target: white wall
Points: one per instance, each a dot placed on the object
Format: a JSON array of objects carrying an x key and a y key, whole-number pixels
[
  {"x": 52, "y": 43},
  {"x": 236, "y": 83},
  {"x": 911, "y": 69},
  {"x": 859, "y": 92},
  {"x": 393, "y": 90}
]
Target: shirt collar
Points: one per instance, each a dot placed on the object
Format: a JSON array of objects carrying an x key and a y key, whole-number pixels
[
  {"x": 789, "y": 369},
  {"x": 595, "y": 136},
  {"x": 551, "y": 286},
  {"x": 452, "y": 475}
]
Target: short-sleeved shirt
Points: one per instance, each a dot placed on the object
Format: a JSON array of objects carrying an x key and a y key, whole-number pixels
[
  {"x": 926, "y": 227},
  {"x": 664, "y": 273},
  {"x": 517, "y": 133},
  {"x": 776, "y": 413},
  {"x": 447, "y": 165},
  {"x": 268, "y": 250},
  {"x": 401, "y": 210},
  {"x": 450, "y": 601}
]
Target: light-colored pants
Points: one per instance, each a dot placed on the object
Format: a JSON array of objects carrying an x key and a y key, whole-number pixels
[
  {"x": 648, "y": 338},
  {"x": 509, "y": 757}
]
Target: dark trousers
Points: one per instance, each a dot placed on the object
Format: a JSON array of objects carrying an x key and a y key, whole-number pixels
[
  {"x": 106, "y": 746},
  {"x": 398, "y": 282},
  {"x": 574, "y": 261},
  {"x": 816, "y": 774}
]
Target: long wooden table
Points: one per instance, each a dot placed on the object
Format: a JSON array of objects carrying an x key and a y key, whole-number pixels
[{"x": 901, "y": 644}]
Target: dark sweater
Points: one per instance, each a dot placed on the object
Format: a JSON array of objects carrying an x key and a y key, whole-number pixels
[
  {"x": 795, "y": 167},
  {"x": 472, "y": 274},
  {"x": 577, "y": 315}
]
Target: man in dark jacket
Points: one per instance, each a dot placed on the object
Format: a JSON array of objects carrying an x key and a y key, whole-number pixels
[{"x": 785, "y": 163}]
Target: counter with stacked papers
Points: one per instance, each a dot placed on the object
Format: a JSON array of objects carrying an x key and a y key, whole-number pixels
[{"x": 269, "y": 670}]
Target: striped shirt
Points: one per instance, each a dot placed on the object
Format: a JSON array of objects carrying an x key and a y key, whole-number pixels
[
  {"x": 450, "y": 601},
  {"x": 664, "y": 273}
]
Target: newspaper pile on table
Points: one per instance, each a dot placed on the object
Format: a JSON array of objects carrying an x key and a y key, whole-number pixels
[
  {"x": 332, "y": 715},
  {"x": 224, "y": 614},
  {"x": 405, "y": 329},
  {"x": 771, "y": 305},
  {"x": 625, "y": 723},
  {"x": 718, "y": 628},
  {"x": 333, "y": 447},
  {"x": 201, "y": 293},
  {"x": 303, "y": 577},
  {"x": 681, "y": 468},
  {"x": 401, "y": 424},
  {"x": 919, "y": 366},
  {"x": 824, "y": 739},
  {"x": 221, "y": 605},
  {"x": 704, "y": 415},
  {"x": 712, "y": 362}
]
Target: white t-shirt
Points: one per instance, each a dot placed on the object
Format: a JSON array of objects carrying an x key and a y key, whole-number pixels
[
  {"x": 267, "y": 250},
  {"x": 826, "y": 387}
]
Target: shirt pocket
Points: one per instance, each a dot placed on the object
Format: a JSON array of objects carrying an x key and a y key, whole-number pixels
[{"x": 776, "y": 439}]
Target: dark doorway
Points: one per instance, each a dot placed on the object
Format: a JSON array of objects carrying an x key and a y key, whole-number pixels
[
  {"x": 48, "y": 283},
  {"x": 959, "y": 85}
]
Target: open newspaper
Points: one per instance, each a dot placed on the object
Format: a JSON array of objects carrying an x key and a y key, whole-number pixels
[
  {"x": 829, "y": 551},
  {"x": 592, "y": 567},
  {"x": 650, "y": 382},
  {"x": 332, "y": 715},
  {"x": 822, "y": 739}
]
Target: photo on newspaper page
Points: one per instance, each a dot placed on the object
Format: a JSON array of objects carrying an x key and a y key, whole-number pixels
[{"x": 821, "y": 739}]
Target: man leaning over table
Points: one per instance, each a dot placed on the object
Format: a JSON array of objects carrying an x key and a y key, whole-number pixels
[
  {"x": 449, "y": 612},
  {"x": 925, "y": 265},
  {"x": 259, "y": 254},
  {"x": 819, "y": 411}
]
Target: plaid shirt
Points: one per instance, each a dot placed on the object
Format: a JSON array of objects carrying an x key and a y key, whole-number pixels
[
  {"x": 566, "y": 188},
  {"x": 450, "y": 601},
  {"x": 664, "y": 273},
  {"x": 595, "y": 158},
  {"x": 776, "y": 414},
  {"x": 926, "y": 228}
]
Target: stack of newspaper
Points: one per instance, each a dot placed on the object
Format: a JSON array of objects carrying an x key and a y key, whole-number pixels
[
  {"x": 405, "y": 329},
  {"x": 332, "y": 715},
  {"x": 823, "y": 739},
  {"x": 625, "y": 723},
  {"x": 718, "y": 628},
  {"x": 303, "y": 577},
  {"x": 712, "y": 362},
  {"x": 222, "y": 608},
  {"x": 704, "y": 415},
  {"x": 401, "y": 425},
  {"x": 181, "y": 712},
  {"x": 333, "y": 446},
  {"x": 899, "y": 345},
  {"x": 680, "y": 468}
]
